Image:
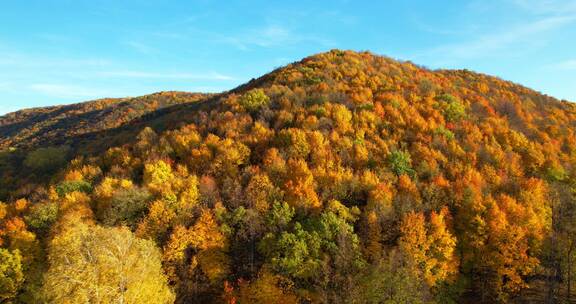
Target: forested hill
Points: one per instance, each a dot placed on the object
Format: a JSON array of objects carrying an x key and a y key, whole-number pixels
[
  {"x": 60, "y": 133},
  {"x": 59, "y": 124},
  {"x": 343, "y": 178}
]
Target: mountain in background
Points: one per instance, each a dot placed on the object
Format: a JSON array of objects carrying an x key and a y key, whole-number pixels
[
  {"x": 343, "y": 178},
  {"x": 60, "y": 124}
]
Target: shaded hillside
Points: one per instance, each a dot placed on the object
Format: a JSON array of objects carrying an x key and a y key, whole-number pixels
[
  {"x": 77, "y": 129},
  {"x": 57, "y": 125},
  {"x": 343, "y": 178}
]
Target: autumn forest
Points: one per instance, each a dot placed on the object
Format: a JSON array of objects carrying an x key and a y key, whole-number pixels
[{"x": 346, "y": 177}]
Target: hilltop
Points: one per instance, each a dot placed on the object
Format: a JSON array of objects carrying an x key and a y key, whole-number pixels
[{"x": 345, "y": 177}]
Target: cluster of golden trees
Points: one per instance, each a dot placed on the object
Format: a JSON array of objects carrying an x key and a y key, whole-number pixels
[{"x": 344, "y": 178}]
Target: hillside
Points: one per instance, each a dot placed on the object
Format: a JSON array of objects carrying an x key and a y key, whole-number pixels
[
  {"x": 71, "y": 130},
  {"x": 60, "y": 124},
  {"x": 343, "y": 178}
]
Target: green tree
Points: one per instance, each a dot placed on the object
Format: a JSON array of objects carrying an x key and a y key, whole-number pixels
[
  {"x": 295, "y": 142},
  {"x": 300, "y": 252},
  {"x": 400, "y": 162},
  {"x": 296, "y": 253},
  {"x": 253, "y": 100},
  {"x": 452, "y": 107},
  {"x": 389, "y": 280},
  {"x": 127, "y": 207},
  {"x": 66, "y": 187},
  {"x": 46, "y": 160},
  {"x": 42, "y": 216}
]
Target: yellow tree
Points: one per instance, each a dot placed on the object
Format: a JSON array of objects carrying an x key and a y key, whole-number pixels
[
  {"x": 429, "y": 246},
  {"x": 199, "y": 274},
  {"x": 157, "y": 177},
  {"x": 11, "y": 275},
  {"x": 299, "y": 186},
  {"x": 156, "y": 224},
  {"x": 507, "y": 255},
  {"x": 91, "y": 264},
  {"x": 414, "y": 242},
  {"x": 267, "y": 288},
  {"x": 260, "y": 192},
  {"x": 442, "y": 260}
]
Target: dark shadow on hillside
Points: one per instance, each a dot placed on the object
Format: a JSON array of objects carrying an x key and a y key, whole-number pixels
[
  {"x": 28, "y": 129},
  {"x": 168, "y": 118},
  {"x": 9, "y": 129}
]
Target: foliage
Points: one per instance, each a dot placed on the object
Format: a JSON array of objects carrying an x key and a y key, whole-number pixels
[
  {"x": 47, "y": 160},
  {"x": 21, "y": 129},
  {"x": 42, "y": 216},
  {"x": 280, "y": 215},
  {"x": 388, "y": 282},
  {"x": 66, "y": 187},
  {"x": 104, "y": 265},
  {"x": 267, "y": 288},
  {"x": 400, "y": 163},
  {"x": 157, "y": 176},
  {"x": 299, "y": 253},
  {"x": 453, "y": 108},
  {"x": 11, "y": 275},
  {"x": 126, "y": 207},
  {"x": 253, "y": 100},
  {"x": 429, "y": 247},
  {"x": 449, "y": 135}
]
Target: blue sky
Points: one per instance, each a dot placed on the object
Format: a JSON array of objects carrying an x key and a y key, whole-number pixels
[{"x": 57, "y": 52}]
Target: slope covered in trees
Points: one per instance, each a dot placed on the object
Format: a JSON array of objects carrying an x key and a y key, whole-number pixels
[
  {"x": 60, "y": 124},
  {"x": 36, "y": 143},
  {"x": 343, "y": 178}
]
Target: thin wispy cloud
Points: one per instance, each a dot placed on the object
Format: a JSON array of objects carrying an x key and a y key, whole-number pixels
[
  {"x": 499, "y": 40},
  {"x": 272, "y": 36},
  {"x": 56, "y": 38},
  {"x": 174, "y": 76},
  {"x": 494, "y": 43},
  {"x": 561, "y": 7},
  {"x": 341, "y": 17},
  {"x": 169, "y": 35},
  {"x": 567, "y": 65},
  {"x": 91, "y": 68},
  {"x": 67, "y": 91},
  {"x": 22, "y": 60},
  {"x": 140, "y": 47}
]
